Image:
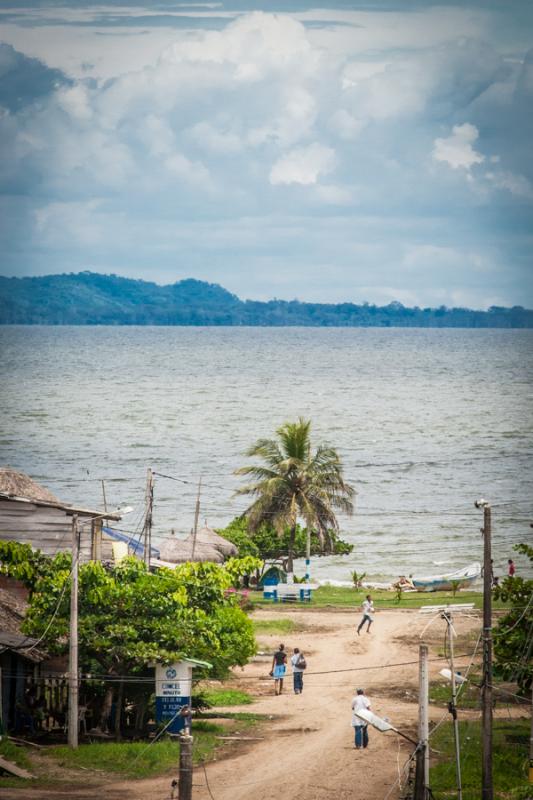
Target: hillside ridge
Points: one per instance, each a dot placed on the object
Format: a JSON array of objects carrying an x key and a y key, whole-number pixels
[{"x": 89, "y": 298}]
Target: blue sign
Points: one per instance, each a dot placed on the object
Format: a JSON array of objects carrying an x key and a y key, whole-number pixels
[{"x": 167, "y": 708}]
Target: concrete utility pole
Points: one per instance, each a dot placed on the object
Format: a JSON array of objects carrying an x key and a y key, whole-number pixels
[
  {"x": 422, "y": 762},
  {"x": 487, "y": 789},
  {"x": 149, "y": 499},
  {"x": 196, "y": 515},
  {"x": 73, "y": 687}
]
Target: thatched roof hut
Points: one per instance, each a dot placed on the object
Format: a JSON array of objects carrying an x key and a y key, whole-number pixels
[
  {"x": 207, "y": 536},
  {"x": 178, "y": 551}
]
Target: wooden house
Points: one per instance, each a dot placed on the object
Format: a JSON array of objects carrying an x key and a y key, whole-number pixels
[{"x": 30, "y": 514}]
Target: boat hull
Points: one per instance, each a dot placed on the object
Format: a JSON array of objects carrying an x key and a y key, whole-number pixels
[{"x": 447, "y": 583}]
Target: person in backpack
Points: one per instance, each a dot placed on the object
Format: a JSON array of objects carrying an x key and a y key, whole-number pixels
[
  {"x": 298, "y": 665},
  {"x": 279, "y": 661}
]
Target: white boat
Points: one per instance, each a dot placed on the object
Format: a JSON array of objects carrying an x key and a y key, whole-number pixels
[{"x": 460, "y": 579}]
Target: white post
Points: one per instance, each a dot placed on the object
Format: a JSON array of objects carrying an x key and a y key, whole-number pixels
[{"x": 73, "y": 688}]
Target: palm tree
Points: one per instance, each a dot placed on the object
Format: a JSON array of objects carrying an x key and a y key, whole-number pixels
[{"x": 294, "y": 482}]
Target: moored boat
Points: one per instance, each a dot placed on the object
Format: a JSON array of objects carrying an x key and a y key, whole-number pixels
[{"x": 460, "y": 579}]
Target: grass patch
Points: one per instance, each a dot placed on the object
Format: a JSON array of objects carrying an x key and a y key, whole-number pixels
[
  {"x": 347, "y": 597},
  {"x": 17, "y": 755},
  {"x": 130, "y": 759},
  {"x": 440, "y": 693},
  {"x": 510, "y": 760},
  {"x": 227, "y": 697},
  {"x": 271, "y": 626},
  {"x": 142, "y": 759}
]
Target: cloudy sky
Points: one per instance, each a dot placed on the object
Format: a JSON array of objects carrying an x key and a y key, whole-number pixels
[{"x": 328, "y": 151}]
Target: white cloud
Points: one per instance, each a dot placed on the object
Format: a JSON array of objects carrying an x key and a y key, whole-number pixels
[
  {"x": 213, "y": 139},
  {"x": 456, "y": 150},
  {"x": 68, "y": 224},
  {"x": 345, "y": 124},
  {"x": 192, "y": 172},
  {"x": 515, "y": 184},
  {"x": 303, "y": 165},
  {"x": 335, "y": 195},
  {"x": 252, "y": 46},
  {"x": 76, "y": 102}
]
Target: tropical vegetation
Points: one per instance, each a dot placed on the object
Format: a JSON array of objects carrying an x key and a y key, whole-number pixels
[
  {"x": 513, "y": 636},
  {"x": 268, "y": 545},
  {"x": 130, "y": 618},
  {"x": 294, "y": 482}
]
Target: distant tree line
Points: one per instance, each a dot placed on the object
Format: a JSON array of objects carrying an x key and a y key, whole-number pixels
[{"x": 89, "y": 298}]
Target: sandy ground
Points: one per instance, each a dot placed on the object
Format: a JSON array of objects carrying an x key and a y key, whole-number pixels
[{"x": 307, "y": 749}]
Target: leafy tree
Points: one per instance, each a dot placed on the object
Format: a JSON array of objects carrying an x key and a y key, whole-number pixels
[
  {"x": 296, "y": 483},
  {"x": 238, "y": 567},
  {"x": 268, "y": 545},
  {"x": 129, "y": 617},
  {"x": 513, "y": 636}
]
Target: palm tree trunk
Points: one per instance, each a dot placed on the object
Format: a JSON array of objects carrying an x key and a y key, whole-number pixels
[{"x": 290, "y": 559}]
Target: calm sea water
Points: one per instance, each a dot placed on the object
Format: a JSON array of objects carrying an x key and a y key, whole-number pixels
[{"x": 426, "y": 421}]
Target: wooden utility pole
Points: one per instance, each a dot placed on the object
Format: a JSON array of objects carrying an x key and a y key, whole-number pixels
[
  {"x": 453, "y": 708},
  {"x": 422, "y": 762},
  {"x": 185, "y": 779},
  {"x": 73, "y": 687},
  {"x": 196, "y": 515},
  {"x": 486, "y": 692},
  {"x": 149, "y": 500}
]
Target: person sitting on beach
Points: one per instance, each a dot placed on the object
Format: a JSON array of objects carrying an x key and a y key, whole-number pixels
[
  {"x": 279, "y": 661},
  {"x": 404, "y": 583}
]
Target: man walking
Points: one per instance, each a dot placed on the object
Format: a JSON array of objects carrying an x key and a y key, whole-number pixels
[
  {"x": 298, "y": 665},
  {"x": 368, "y": 611},
  {"x": 360, "y": 701}
]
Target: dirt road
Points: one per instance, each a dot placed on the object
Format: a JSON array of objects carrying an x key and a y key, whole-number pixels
[{"x": 308, "y": 746}]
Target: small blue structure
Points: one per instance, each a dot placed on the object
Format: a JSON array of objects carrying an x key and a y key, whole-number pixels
[{"x": 270, "y": 580}]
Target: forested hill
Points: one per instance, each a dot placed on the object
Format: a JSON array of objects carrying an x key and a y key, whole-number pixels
[{"x": 93, "y": 299}]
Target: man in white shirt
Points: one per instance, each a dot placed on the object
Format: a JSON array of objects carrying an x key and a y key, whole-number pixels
[
  {"x": 360, "y": 701},
  {"x": 298, "y": 665},
  {"x": 368, "y": 611}
]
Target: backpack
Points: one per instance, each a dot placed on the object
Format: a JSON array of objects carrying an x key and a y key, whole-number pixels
[{"x": 301, "y": 663}]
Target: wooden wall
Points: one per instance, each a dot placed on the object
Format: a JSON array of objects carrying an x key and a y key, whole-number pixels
[{"x": 46, "y": 529}]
